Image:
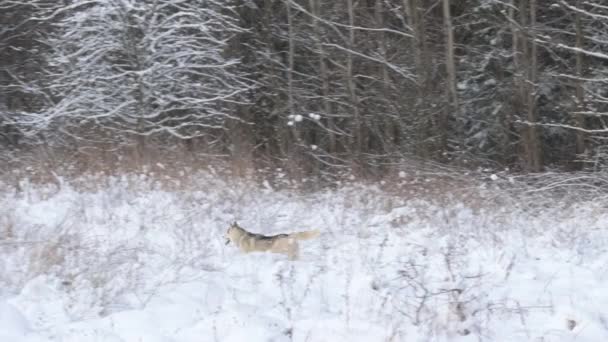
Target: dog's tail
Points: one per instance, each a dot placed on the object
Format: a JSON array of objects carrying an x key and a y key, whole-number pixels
[{"x": 310, "y": 234}]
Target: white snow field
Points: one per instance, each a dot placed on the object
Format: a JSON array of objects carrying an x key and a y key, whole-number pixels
[{"x": 134, "y": 259}]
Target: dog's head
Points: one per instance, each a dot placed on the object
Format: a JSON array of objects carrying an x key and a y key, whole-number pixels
[{"x": 232, "y": 232}]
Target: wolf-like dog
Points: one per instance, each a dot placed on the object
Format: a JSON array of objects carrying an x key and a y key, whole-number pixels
[{"x": 281, "y": 243}]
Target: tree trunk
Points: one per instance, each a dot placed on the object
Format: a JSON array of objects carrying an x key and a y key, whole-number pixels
[
  {"x": 290, "y": 57},
  {"x": 356, "y": 132},
  {"x": 452, "y": 96},
  {"x": 421, "y": 70},
  {"x": 517, "y": 82},
  {"x": 533, "y": 145},
  {"x": 294, "y": 152},
  {"x": 525, "y": 62},
  {"x": 140, "y": 139},
  {"x": 324, "y": 75},
  {"x": 580, "y": 92},
  {"x": 388, "y": 137}
]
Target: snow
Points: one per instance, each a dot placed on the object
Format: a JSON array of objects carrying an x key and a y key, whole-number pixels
[
  {"x": 131, "y": 259},
  {"x": 314, "y": 116},
  {"x": 13, "y": 322},
  {"x": 294, "y": 118}
]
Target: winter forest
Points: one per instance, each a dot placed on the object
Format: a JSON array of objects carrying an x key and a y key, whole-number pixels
[
  {"x": 314, "y": 84},
  {"x": 446, "y": 161}
]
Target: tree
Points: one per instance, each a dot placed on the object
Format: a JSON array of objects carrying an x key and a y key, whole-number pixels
[
  {"x": 579, "y": 41},
  {"x": 451, "y": 94},
  {"x": 144, "y": 68},
  {"x": 25, "y": 25},
  {"x": 580, "y": 91},
  {"x": 523, "y": 23}
]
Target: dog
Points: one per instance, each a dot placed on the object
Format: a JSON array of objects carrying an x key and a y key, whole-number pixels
[{"x": 282, "y": 243}]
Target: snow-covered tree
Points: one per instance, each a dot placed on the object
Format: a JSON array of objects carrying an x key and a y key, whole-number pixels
[
  {"x": 578, "y": 41},
  {"x": 144, "y": 67},
  {"x": 24, "y": 26}
]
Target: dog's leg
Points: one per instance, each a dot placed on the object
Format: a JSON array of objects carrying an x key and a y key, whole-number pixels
[{"x": 293, "y": 249}]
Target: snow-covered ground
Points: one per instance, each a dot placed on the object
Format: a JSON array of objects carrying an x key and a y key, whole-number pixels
[{"x": 134, "y": 259}]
